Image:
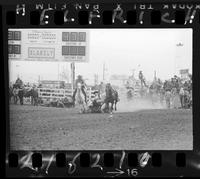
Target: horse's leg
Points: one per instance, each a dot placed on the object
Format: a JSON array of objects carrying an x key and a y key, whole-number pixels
[
  {"x": 37, "y": 101},
  {"x": 21, "y": 100},
  {"x": 107, "y": 108},
  {"x": 83, "y": 106},
  {"x": 115, "y": 105},
  {"x": 110, "y": 107},
  {"x": 34, "y": 101},
  {"x": 16, "y": 99}
]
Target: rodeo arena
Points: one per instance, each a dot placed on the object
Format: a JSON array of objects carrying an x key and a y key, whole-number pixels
[{"x": 122, "y": 112}]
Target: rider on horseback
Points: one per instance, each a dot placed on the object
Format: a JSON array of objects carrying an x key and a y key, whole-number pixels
[
  {"x": 18, "y": 83},
  {"x": 83, "y": 87}
]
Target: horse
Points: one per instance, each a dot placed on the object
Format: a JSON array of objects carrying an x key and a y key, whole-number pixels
[
  {"x": 15, "y": 92},
  {"x": 33, "y": 93},
  {"x": 111, "y": 97},
  {"x": 79, "y": 98},
  {"x": 21, "y": 95},
  {"x": 11, "y": 94}
]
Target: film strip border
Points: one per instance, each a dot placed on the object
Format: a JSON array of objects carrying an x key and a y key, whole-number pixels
[
  {"x": 102, "y": 163},
  {"x": 110, "y": 164},
  {"x": 103, "y": 15}
]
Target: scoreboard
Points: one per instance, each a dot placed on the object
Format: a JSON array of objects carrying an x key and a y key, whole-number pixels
[
  {"x": 74, "y": 45},
  {"x": 14, "y": 44},
  {"x": 48, "y": 45}
]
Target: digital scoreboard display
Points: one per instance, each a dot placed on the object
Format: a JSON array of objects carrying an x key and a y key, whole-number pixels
[
  {"x": 73, "y": 50},
  {"x": 74, "y": 45},
  {"x": 14, "y": 44},
  {"x": 14, "y": 35},
  {"x": 74, "y": 36}
]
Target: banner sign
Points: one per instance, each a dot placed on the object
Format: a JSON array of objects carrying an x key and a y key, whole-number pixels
[{"x": 34, "y": 52}]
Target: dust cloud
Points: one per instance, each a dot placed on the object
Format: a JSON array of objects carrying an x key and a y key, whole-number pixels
[{"x": 137, "y": 104}]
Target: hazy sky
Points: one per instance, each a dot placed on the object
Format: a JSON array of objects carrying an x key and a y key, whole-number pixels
[{"x": 122, "y": 50}]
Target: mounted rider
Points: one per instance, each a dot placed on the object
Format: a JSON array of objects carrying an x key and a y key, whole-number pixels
[
  {"x": 83, "y": 86},
  {"x": 18, "y": 83}
]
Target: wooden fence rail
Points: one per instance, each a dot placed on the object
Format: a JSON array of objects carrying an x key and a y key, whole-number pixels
[{"x": 60, "y": 93}]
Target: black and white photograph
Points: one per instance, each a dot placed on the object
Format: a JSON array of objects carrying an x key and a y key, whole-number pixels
[{"x": 100, "y": 89}]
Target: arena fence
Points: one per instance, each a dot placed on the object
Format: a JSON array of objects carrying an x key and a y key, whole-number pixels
[
  {"x": 49, "y": 93},
  {"x": 54, "y": 93}
]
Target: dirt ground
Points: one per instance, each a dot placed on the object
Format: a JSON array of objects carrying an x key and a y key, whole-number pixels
[{"x": 48, "y": 128}]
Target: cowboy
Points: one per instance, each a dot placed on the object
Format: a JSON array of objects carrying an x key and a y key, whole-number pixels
[
  {"x": 95, "y": 103},
  {"x": 80, "y": 80},
  {"x": 18, "y": 82},
  {"x": 96, "y": 99},
  {"x": 83, "y": 86}
]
